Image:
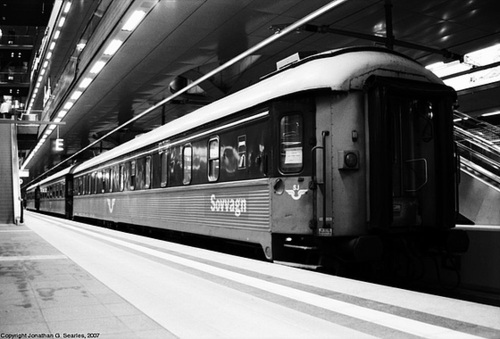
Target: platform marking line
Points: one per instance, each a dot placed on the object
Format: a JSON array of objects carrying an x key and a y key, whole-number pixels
[
  {"x": 14, "y": 231},
  {"x": 33, "y": 257},
  {"x": 385, "y": 319}
]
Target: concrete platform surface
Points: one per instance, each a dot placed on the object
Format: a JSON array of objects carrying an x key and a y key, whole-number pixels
[{"x": 60, "y": 278}]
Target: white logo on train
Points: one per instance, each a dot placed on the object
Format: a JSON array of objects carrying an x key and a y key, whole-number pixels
[
  {"x": 296, "y": 193},
  {"x": 228, "y": 205},
  {"x": 111, "y": 204}
]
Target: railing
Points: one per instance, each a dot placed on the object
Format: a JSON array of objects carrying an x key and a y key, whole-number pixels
[{"x": 479, "y": 147}]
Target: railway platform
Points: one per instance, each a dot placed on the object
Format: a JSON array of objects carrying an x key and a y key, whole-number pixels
[{"x": 60, "y": 278}]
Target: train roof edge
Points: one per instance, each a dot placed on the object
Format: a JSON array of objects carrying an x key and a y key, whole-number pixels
[{"x": 350, "y": 75}]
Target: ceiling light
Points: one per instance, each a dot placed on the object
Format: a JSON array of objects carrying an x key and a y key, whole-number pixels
[
  {"x": 85, "y": 83},
  {"x": 68, "y": 105},
  {"x": 490, "y": 114},
  {"x": 67, "y": 7},
  {"x": 49, "y": 55},
  {"x": 61, "y": 22},
  {"x": 113, "y": 46},
  {"x": 98, "y": 66},
  {"x": 56, "y": 34},
  {"x": 62, "y": 114},
  {"x": 76, "y": 95},
  {"x": 52, "y": 45},
  {"x": 134, "y": 20}
]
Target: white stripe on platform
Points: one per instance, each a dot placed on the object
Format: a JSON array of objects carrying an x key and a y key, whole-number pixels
[
  {"x": 33, "y": 257},
  {"x": 399, "y": 323}
]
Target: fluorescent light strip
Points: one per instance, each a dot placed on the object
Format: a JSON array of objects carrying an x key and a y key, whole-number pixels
[
  {"x": 490, "y": 114},
  {"x": 113, "y": 46},
  {"x": 134, "y": 20},
  {"x": 85, "y": 83},
  {"x": 67, "y": 7},
  {"x": 76, "y": 95},
  {"x": 98, "y": 66}
]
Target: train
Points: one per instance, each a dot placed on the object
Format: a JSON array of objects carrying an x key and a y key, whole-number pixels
[{"x": 332, "y": 155}]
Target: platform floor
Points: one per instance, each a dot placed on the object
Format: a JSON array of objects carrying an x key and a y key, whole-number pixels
[{"x": 59, "y": 277}]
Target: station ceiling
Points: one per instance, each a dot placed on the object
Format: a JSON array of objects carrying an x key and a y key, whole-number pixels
[{"x": 180, "y": 41}]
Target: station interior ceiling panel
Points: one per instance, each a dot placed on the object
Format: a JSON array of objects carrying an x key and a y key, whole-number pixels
[{"x": 179, "y": 41}]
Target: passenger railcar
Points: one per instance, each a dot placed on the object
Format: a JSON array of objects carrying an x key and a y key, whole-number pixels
[
  {"x": 53, "y": 194},
  {"x": 326, "y": 156}
]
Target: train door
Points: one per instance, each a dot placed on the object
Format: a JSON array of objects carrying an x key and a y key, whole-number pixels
[{"x": 412, "y": 165}]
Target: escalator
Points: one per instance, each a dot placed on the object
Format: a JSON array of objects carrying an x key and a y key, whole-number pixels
[{"x": 478, "y": 144}]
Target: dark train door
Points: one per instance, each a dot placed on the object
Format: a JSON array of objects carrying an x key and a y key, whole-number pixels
[{"x": 412, "y": 172}]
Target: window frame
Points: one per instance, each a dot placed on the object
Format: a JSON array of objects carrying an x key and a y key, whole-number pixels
[
  {"x": 210, "y": 159},
  {"x": 282, "y": 149},
  {"x": 187, "y": 171}
]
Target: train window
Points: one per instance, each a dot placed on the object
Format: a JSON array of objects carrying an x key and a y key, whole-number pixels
[
  {"x": 213, "y": 159},
  {"x": 187, "y": 164},
  {"x": 110, "y": 179},
  {"x": 89, "y": 183},
  {"x": 105, "y": 181},
  {"x": 291, "y": 145},
  {"x": 93, "y": 183},
  {"x": 132, "y": 173},
  {"x": 164, "y": 169},
  {"x": 242, "y": 151},
  {"x": 122, "y": 181},
  {"x": 116, "y": 178},
  {"x": 147, "y": 172}
]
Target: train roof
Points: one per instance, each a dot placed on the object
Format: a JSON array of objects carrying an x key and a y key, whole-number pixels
[
  {"x": 55, "y": 176},
  {"x": 350, "y": 69}
]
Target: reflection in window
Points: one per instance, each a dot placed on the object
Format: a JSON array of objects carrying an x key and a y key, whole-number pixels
[
  {"x": 147, "y": 173},
  {"x": 242, "y": 151},
  {"x": 187, "y": 164},
  {"x": 164, "y": 169},
  {"x": 133, "y": 169}
]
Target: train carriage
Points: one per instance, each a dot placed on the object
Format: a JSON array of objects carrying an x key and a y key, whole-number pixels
[
  {"x": 52, "y": 195},
  {"x": 326, "y": 156}
]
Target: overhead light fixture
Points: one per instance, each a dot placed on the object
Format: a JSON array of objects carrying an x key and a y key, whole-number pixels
[
  {"x": 490, "y": 114},
  {"x": 113, "y": 46},
  {"x": 98, "y": 66},
  {"x": 56, "y": 34},
  {"x": 76, "y": 95},
  {"x": 134, "y": 20},
  {"x": 67, "y": 7},
  {"x": 62, "y": 113},
  {"x": 62, "y": 21},
  {"x": 68, "y": 105},
  {"x": 85, "y": 83}
]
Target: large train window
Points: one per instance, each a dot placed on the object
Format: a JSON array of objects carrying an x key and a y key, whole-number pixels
[
  {"x": 93, "y": 189},
  {"x": 132, "y": 173},
  {"x": 213, "y": 159},
  {"x": 110, "y": 179},
  {"x": 291, "y": 144},
  {"x": 164, "y": 169},
  {"x": 187, "y": 164},
  {"x": 147, "y": 172},
  {"x": 122, "y": 179}
]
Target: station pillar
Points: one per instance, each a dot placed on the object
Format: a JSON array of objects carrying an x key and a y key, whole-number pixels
[{"x": 10, "y": 206}]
